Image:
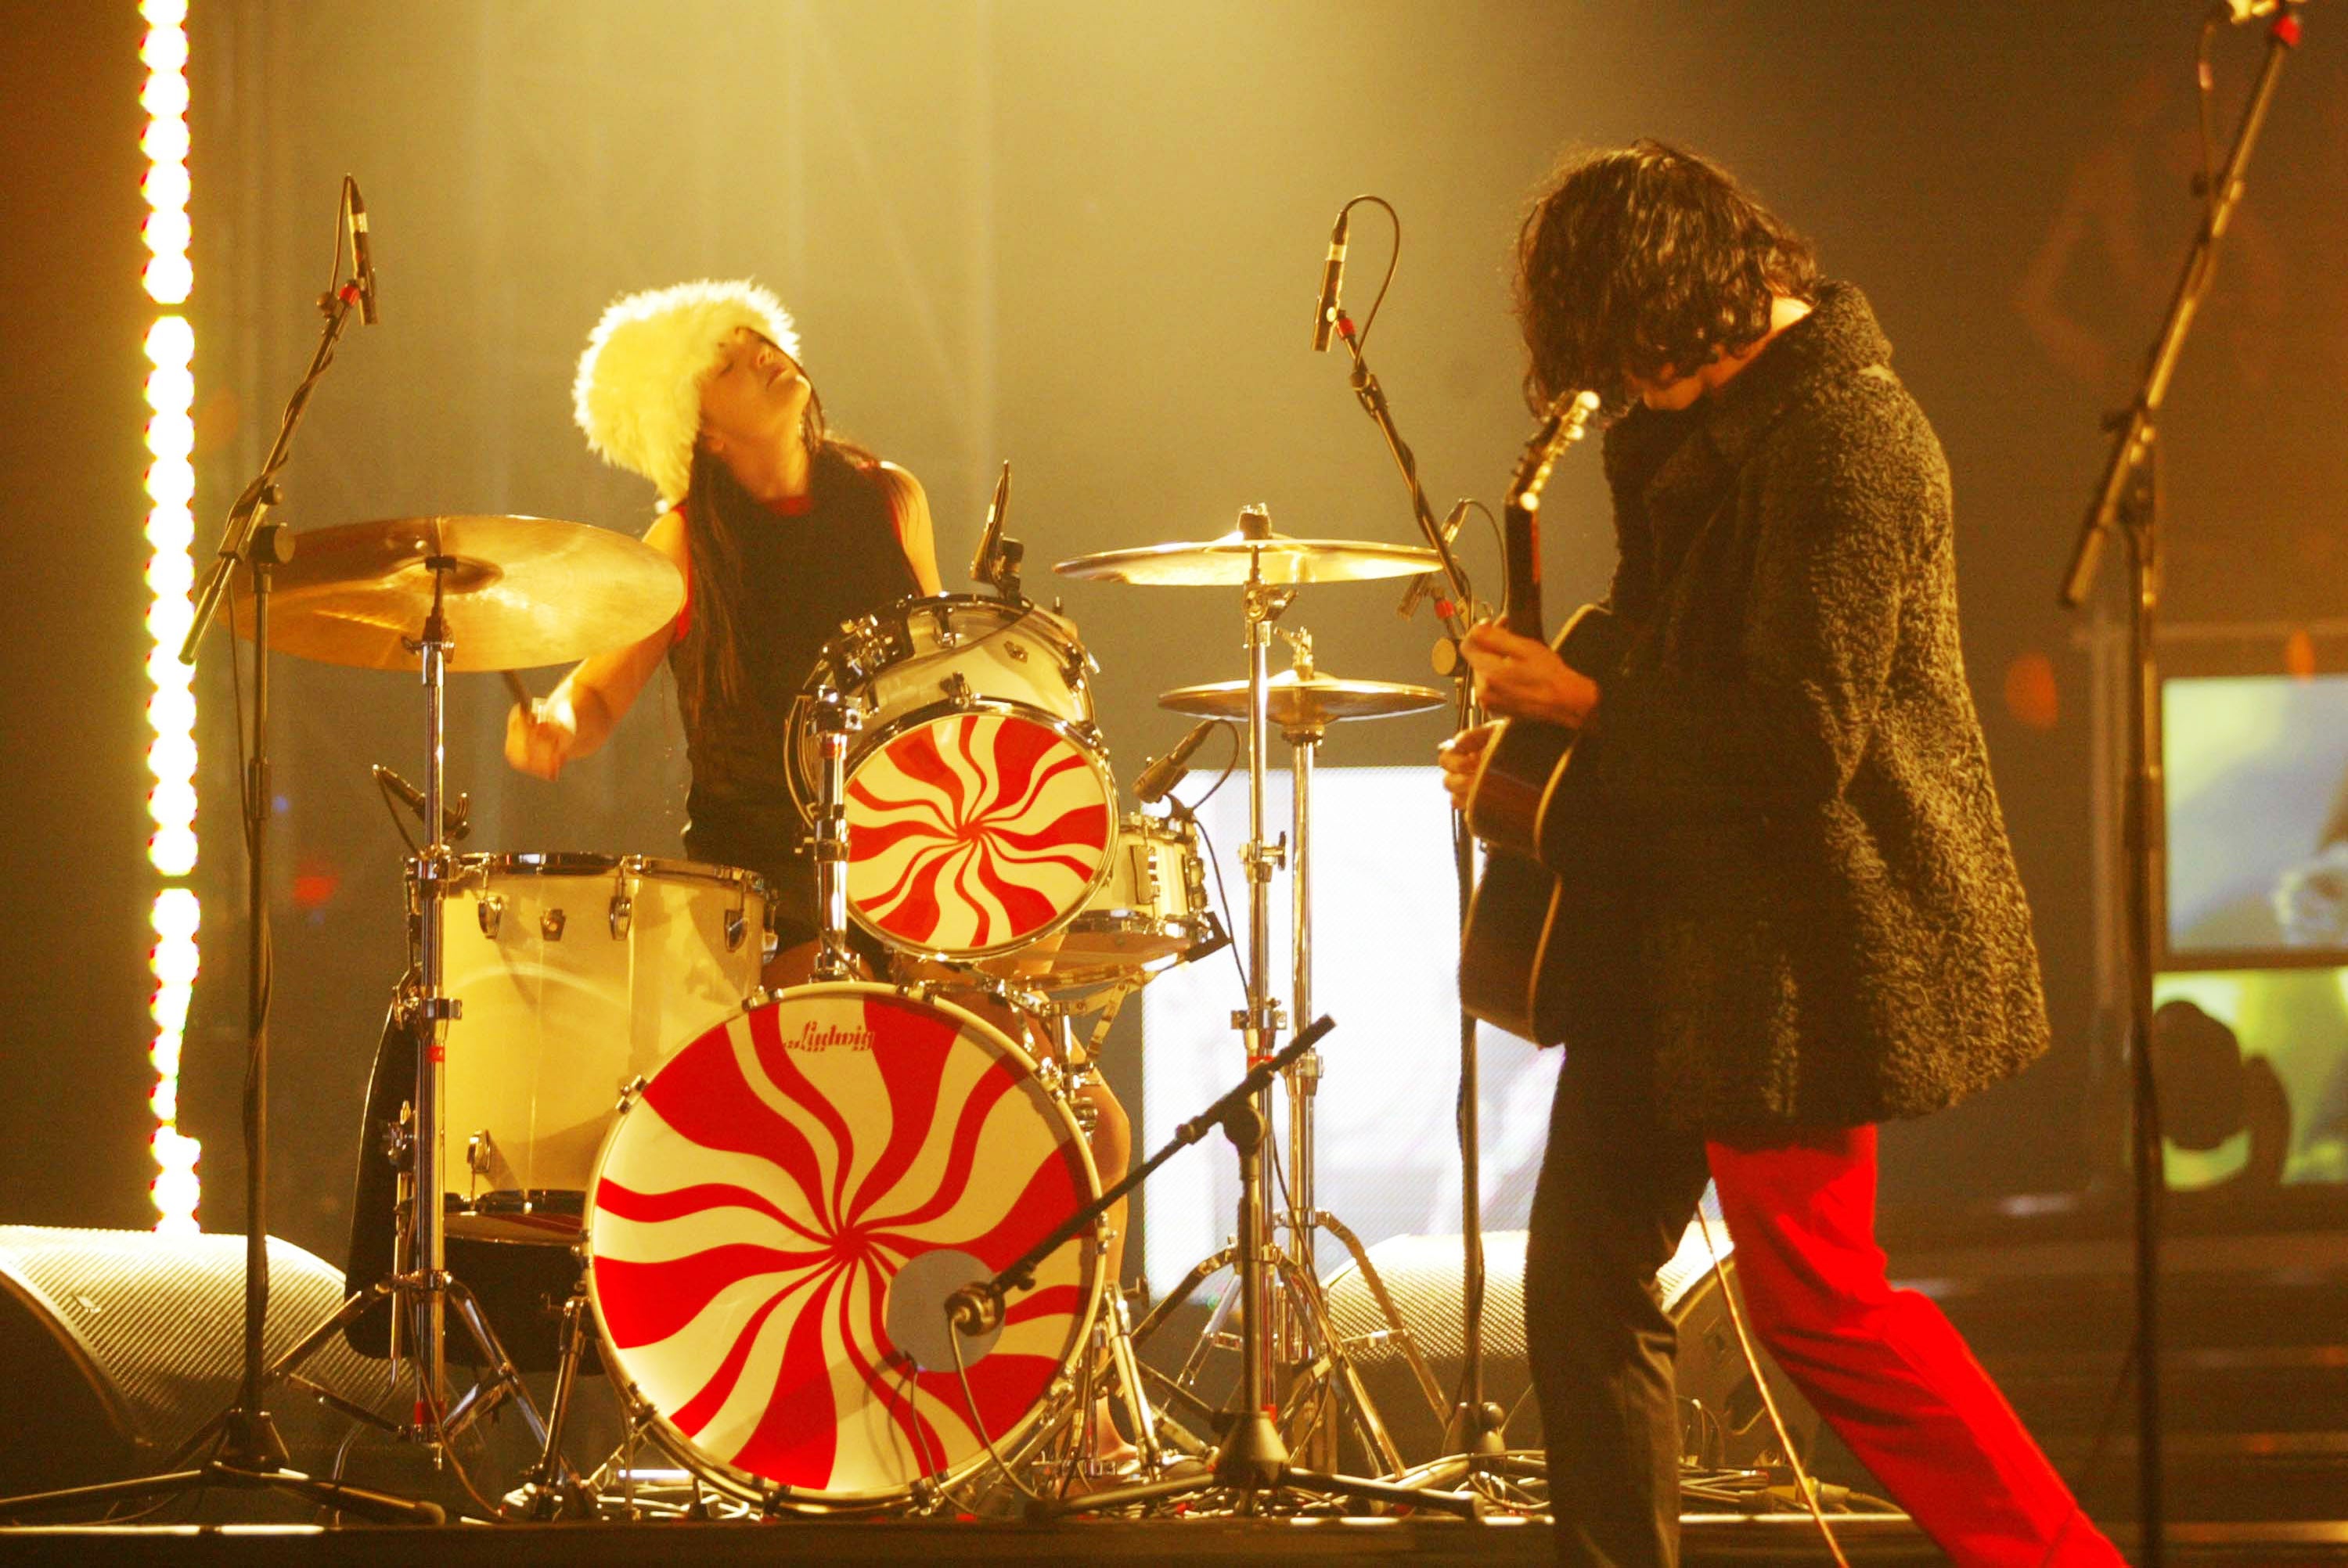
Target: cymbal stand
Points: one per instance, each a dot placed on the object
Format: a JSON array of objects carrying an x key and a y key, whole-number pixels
[
  {"x": 1303, "y": 1324},
  {"x": 1251, "y": 1459},
  {"x": 420, "y": 1289}
]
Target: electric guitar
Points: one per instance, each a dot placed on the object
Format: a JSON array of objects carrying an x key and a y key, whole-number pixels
[{"x": 1505, "y": 941}]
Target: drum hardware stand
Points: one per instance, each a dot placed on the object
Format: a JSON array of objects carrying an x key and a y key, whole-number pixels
[
  {"x": 2127, "y": 496},
  {"x": 835, "y": 721},
  {"x": 1479, "y": 1451}
]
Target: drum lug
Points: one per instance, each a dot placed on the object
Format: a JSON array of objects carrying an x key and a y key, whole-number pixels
[
  {"x": 958, "y": 692},
  {"x": 629, "y": 1091},
  {"x": 622, "y": 915},
  {"x": 491, "y": 911},
  {"x": 737, "y": 927},
  {"x": 549, "y": 925},
  {"x": 479, "y": 1153}
]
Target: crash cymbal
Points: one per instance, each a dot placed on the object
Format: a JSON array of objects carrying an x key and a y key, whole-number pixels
[
  {"x": 1303, "y": 702},
  {"x": 517, "y": 593},
  {"x": 1239, "y": 556}
]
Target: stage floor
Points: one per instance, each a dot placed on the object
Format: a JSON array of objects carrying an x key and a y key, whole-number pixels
[{"x": 1777, "y": 1538}]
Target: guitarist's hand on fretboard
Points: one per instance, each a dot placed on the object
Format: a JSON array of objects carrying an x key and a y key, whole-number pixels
[{"x": 1523, "y": 678}]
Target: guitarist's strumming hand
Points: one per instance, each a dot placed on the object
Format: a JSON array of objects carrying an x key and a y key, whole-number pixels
[{"x": 1523, "y": 678}]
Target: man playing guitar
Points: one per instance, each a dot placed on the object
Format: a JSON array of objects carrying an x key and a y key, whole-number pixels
[{"x": 1786, "y": 905}]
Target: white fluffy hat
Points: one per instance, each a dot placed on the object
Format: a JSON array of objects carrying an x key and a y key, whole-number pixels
[{"x": 638, "y": 393}]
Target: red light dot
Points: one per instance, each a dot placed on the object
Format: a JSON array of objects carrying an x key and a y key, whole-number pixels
[{"x": 2031, "y": 694}]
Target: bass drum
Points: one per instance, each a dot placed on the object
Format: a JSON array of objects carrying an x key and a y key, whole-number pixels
[
  {"x": 980, "y": 811},
  {"x": 576, "y": 974},
  {"x": 778, "y": 1217}
]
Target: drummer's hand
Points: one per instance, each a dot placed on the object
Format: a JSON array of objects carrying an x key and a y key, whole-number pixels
[
  {"x": 540, "y": 736},
  {"x": 1459, "y": 758},
  {"x": 1521, "y": 678}
]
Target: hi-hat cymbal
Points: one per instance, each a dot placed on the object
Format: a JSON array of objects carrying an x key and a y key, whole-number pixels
[
  {"x": 1242, "y": 556},
  {"x": 517, "y": 593},
  {"x": 1303, "y": 702}
]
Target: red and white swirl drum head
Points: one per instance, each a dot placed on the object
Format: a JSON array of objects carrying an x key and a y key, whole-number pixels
[
  {"x": 778, "y": 1217},
  {"x": 977, "y": 831}
]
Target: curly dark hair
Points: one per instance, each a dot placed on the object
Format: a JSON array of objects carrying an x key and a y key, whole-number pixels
[{"x": 1645, "y": 258}]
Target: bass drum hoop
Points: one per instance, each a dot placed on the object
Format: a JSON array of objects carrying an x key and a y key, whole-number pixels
[
  {"x": 1086, "y": 743},
  {"x": 741, "y": 1484}
]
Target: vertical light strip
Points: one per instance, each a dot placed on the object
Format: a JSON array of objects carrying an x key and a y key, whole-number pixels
[{"x": 170, "y": 579}]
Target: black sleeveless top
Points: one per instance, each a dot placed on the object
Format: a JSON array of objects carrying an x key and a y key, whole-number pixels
[{"x": 802, "y": 575}]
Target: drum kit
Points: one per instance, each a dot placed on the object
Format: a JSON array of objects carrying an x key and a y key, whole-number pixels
[{"x": 775, "y": 1195}]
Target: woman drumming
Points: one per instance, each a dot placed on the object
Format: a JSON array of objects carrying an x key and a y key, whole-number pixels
[{"x": 783, "y": 529}]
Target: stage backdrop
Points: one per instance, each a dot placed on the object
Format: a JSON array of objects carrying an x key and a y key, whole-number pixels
[{"x": 1086, "y": 237}]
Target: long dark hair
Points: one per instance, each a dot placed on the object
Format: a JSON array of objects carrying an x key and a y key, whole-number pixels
[
  {"x": 1644, "y": 259},
  {"x": 716, "y": 509}
]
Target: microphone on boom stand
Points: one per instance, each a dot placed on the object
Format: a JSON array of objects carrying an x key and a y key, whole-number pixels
[{"x": 1333, "y": 277}]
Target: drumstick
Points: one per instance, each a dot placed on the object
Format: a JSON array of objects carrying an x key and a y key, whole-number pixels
[{"x": 521, "y": 691}]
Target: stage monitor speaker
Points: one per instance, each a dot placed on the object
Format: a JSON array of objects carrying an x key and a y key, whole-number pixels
[
  {"x": 1723, "y": 1423},
  {"x": 117, "y": 1346}
]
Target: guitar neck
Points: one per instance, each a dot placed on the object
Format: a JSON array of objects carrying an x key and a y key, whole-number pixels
[{"x": 1520, "y": 545}]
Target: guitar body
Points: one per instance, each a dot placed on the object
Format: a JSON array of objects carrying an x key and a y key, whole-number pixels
[{"x": 1504, "y": 949}]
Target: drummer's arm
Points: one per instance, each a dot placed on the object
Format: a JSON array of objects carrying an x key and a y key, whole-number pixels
[
  {"x": 579, "y": 715},
  {"x": 915, "y": 532}
]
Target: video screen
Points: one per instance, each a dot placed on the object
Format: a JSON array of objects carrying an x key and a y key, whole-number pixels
[{"x": 2257, "y": 785}]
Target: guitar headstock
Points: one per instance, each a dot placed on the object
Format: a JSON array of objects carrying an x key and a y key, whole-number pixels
[{"x": 1565, "y": 423}]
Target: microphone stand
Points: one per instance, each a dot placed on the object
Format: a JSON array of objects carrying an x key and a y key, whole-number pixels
[
  {"x": 1474, "y": 1433},
  {"x": 252, "y": 1454},
  {"x": 1250, "y": 1460},
  {"x": 2127, "y": 497}
]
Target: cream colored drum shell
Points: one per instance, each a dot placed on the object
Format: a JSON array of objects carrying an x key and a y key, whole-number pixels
[
  {"x": 577, "y": 974},
  {"x": 924, "y": 657}
]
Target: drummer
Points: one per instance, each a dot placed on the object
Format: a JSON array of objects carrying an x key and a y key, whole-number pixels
[{"x": 783, "y": 528}]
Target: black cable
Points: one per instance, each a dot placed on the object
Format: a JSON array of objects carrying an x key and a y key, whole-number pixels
[{"x": 1393, "y": 258}]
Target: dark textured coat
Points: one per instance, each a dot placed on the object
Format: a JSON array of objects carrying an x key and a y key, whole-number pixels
[{"x": 1786, "y": 869}]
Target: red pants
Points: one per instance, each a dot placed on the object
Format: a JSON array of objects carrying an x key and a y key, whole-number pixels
[{"x": 1884, "y": 1367}]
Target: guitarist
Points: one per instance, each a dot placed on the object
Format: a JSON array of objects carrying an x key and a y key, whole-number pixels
[{"x": 1788, "y": 907}]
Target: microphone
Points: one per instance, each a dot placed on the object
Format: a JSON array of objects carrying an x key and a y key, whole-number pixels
[
  {"x": 1433, "y": 581},
  {"x": 455, "y": 821},
  {"x": 1168, "y": 771},
  {"x": 1333, "y": 274},
  {"x": 362, "y": 258},
  {"x": 991, "y": 537},
  {"x": 975, "y": 1309}
]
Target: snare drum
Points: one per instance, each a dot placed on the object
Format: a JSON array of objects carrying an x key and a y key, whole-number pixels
[
  {"x": 577, "y": 974},
  {"x": 780, "y": 1216},
  {"x": 1151, "y": 911},
  {"x": 980, "y": 809}
]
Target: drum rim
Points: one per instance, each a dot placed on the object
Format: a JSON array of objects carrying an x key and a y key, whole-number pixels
[
  {"x": 592, "y": 863},
  {"x": 741, "y": 1483},
  {"x": 1095, "y": 756}
]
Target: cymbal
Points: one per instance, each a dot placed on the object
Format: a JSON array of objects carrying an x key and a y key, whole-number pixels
[
  {"x": 1238, "y": 555},
  {"x": 521, "y": 592},
  {"x": 1303, "y": 702}
]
